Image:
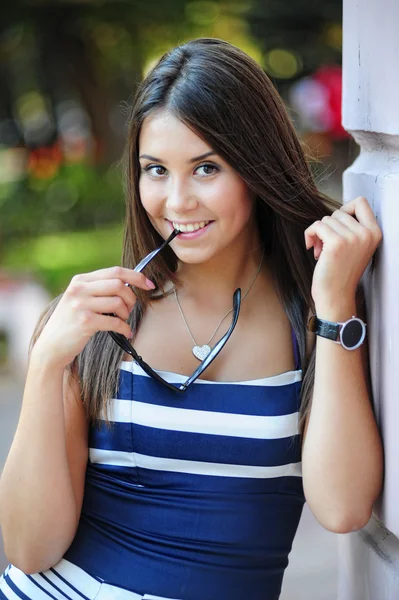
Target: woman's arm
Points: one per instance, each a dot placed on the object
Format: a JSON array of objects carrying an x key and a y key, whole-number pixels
[
  {"x": 41, "y": 488},
  {"x": 342, "y": 450},
  {"x": 342, "y": 456}
]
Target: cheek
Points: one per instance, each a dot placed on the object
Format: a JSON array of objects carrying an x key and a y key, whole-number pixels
[
  {"x": 234, "y": 202},
  {"x": 150, "y": 197}
]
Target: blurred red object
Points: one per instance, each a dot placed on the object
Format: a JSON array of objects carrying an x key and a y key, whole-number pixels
[
  {"x": 317, "y": 101},
  {"x": 44, "y": 162},
  {"x": 330, "y": 76}
]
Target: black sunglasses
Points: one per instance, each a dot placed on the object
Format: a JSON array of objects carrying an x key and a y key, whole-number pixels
[{"x": 124, "y": 343}]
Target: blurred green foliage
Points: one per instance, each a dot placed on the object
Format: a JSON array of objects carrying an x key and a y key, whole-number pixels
[
  {"x": 78, "y": 196},
  {"x": 56, "y": 258}
]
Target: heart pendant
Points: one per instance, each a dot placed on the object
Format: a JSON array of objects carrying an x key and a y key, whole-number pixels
[{"x": 201, "y": 352}]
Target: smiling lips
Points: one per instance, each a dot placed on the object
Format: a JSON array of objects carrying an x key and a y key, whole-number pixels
[{"x": 190, "y": 227}]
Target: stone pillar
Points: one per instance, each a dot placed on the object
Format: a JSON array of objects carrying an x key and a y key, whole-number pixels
[{"x": 369, "y": 559}]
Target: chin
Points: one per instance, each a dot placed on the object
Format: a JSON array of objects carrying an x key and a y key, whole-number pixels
[{"x": 193, "y": 257}]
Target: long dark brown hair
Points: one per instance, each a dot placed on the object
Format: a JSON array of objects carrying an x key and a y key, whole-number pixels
[{"x": 224, "y": 96}]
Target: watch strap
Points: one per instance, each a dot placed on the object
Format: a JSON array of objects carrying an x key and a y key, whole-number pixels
[{"x": 325, "y": 329}]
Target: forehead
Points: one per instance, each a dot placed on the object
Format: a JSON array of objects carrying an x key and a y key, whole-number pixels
[{"x": 163, "y": 133}]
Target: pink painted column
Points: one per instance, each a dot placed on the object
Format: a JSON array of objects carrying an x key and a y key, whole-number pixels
[{"x": 369, "y": 559}]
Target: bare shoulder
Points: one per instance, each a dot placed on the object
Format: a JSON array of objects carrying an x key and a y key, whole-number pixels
[{"x": 76, "y": 434}]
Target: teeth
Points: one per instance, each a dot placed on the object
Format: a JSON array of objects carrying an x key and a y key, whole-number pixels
[{"x": 190, "y": 226}]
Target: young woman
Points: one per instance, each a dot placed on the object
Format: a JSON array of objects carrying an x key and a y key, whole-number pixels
[{"x": 126, "y": 478}]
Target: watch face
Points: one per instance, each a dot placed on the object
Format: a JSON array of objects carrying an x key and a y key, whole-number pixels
[{"x": 352, "y": 333}]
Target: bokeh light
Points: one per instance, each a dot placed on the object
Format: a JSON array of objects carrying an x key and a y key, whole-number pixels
[
  {"x": 202, "y": 12},
  {"x": 282, "y": 63}
]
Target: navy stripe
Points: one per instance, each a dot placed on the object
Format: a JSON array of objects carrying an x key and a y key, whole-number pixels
[
  {"x": 204, "y": 447},
  {"x": 59, "y": 590},
  {"x": 215, "y": 448},
  {"x": 124, "y": 385},
  {"x": 225, "y": 398},
  {"x": 15, "y": 589},
  {"x": 2, "y": 596},
  {"x": 41, "y": 588},
  {"x": 150, "y": 478},
  {"x": 132, "y": 481},
  {"x": 117, "y": 436},
  {"x": 69, "y": 584}
]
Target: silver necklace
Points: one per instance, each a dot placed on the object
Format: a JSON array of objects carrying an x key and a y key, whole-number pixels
[{"x": 201, "y": 352}]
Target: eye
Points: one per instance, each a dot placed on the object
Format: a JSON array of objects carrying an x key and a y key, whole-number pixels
[
  {"x": 154, "y": 171},
  {"x": 209, "y": 169}
]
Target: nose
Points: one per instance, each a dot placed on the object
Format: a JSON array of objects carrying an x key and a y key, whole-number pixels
[{"x": 180, "y": 198}]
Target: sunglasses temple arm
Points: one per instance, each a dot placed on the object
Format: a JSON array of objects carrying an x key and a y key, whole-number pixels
[
  {"x": 118, "y": 338},
  {"x": 143, "y": 263},
  {"x": 121, "y": 341}
]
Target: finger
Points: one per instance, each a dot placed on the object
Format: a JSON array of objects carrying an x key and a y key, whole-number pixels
[
  {"x": 361, "y": 232},
  {"x": 311, "y": 239},
  {"x": 348, "y": 220},
  {"x": 108, "y": 305},
  {"x": 340, "y": 228},
  {"x": 362, "y": 211},
  {"x": 111, "y": 287},
  {"x": 318, "y": 230},
  {"x": 322, "y": 232},
  {"x": 110, "y": 323},
  {"x": 317, "y": 248},
  {"x": 126, "y": 275}
]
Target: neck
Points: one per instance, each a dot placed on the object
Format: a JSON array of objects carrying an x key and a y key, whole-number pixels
[{"x": 234, "y": 267}]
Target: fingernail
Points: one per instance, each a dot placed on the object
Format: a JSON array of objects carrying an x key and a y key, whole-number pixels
[{"x": 150, "y": 284}]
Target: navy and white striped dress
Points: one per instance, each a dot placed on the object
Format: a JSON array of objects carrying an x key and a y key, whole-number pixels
[{"x": 193, "y": 497}]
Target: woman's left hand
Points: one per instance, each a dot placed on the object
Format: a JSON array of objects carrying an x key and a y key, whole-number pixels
[{"x": 343, "y": 245}]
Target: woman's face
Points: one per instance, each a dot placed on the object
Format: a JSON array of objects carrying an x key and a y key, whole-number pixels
[{"x": 185, "y": 185}]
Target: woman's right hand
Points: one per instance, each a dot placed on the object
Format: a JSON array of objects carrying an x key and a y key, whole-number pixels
[{"x": 82, "y": 311}]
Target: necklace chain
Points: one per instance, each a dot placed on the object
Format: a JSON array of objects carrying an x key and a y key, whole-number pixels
[{"x": 228, "y": 312}]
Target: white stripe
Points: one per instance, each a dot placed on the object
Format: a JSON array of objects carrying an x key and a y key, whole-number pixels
[
  {"x": 202, "y": 421},
  {"x": 88, "y": 585},
  {"x": 8, "y": 592},
  {"x": 110, "y": 592},
  {"x": 49, "y": 588},
  {"x": 130, "y": 459},
  {"x": 277, "y": 380},
  {"x": 82, "y": 581},
  {"x": 27, "y": 587},
  {"x": 63, "y": 586},
  {"x": 79, "y": 579},
  {"x": 295, "y": 470}
]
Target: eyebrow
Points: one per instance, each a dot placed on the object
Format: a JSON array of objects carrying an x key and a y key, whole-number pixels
[{"x": 192, "y": 160}]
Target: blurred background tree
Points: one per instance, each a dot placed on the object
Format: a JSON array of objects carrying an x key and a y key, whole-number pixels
[{"x": 69, "y": 70}]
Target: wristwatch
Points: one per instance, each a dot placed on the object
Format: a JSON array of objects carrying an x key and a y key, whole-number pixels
[{"x": 349, "y": 334}]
